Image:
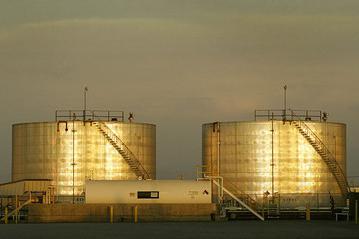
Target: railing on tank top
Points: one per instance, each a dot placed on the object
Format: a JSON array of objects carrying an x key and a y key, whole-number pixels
[
  {"x": 89, "y": 115},
  {"x": 290, "y": 115}
]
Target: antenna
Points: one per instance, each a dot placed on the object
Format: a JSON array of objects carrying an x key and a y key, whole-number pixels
[
  {"x": 85, "y": 101},
  {"x": 285, "y": 103}
]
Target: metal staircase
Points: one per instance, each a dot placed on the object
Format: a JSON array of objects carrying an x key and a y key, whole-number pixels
[
  {"x": 246, "y": 198},
  {"x": 15, "y": 212},
  {"x": 325, "y": 154},
  {"x": 123, "y": 150},
  {"x": 242, "y": 203},
  {"x": 243, "y": 199}
]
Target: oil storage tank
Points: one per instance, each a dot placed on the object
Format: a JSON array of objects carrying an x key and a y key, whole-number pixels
[
  {"x": 79, "y": 146},
  {"x": 297, "y": 158}
]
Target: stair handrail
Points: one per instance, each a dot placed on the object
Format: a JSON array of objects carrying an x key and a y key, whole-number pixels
[
  {"x": 222, "y": 189},
  {"x": 124, "y": 147},
  {"x": 311, "y": 133},
  {"x": 207, "y": 174},
  {"x": 16, "y": 209},
  {"x": 248, "y": 197},
  {"x": 238, "y": 200},
  {"x": 331, "y": 157}
]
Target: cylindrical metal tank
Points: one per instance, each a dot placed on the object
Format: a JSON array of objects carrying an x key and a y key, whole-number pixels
[
  {"x": 272, "y": 157},
  {"x": 47, "y": 150}
]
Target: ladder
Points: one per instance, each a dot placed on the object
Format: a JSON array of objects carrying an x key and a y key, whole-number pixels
[
  {"x": 123, "y": 150},
  {"x": 325, "y": 154},
  {"x": 242, "y": 203}
]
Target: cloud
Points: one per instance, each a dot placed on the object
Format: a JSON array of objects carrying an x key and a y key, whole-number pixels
[{"x": 180, "y": 66}]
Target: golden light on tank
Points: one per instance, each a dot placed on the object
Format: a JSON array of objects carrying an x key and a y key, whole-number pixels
[
  {"x": 102, "y": 147},
  {"x": 290, "y": 159}
]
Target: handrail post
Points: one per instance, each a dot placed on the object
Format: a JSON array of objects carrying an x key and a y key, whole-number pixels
[
  {"x": 356, "y": 211},
  {"x": 135, "y": 212},
  {"x": 6, "y": 215},
  {"x": 320, "y": 116},
  {"x": 111, "y": 214},
  {"x": 16, "y": 206}
]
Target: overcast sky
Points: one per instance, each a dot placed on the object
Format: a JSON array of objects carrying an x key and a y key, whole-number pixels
[{"x": 178, "y": 64}]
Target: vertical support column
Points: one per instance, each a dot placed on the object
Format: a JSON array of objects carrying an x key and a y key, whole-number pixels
[
  {"x": 307, "y": 213},
  {"x": 16, "y": 206},
  {"x": 285, "y": 104},
  {"x": 73, "y": 158},
  {"x": 218, "y": 148},
  {"x": 6, "y": 215},
  {"x": 272, "y": 161},
  {"x": 135, "y": 214},
  {"x": 218, "y": 160},
  {"x": 356, "y": 211},
  {"x": 111, "y": 214}
]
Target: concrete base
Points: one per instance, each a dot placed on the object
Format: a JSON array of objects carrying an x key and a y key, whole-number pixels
[{"x": 44, "y": 213}]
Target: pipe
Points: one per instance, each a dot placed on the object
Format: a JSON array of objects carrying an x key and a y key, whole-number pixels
[
  {"x": 218, "y": 154},
  {"x": 272, "y": 163},
  {"x": 58, "y": 125},
  {"x": 73, "y": 159}
]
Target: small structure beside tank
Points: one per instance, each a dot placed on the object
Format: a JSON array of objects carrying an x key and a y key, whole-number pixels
[{"x": 149, "y": 192}]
